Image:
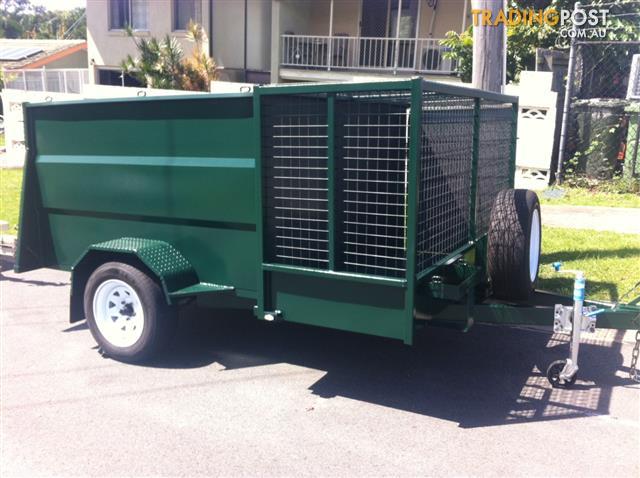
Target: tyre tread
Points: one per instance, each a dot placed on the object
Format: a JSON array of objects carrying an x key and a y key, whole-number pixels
[{"x": 162, "y": 316}]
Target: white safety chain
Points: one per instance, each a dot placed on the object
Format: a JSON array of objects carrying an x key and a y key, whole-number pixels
[{"x": 633, "y": 368}]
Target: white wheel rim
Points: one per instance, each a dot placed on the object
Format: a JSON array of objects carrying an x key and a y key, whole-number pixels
[
  {"x": 534, "y": 245},
  {"x": 118, "y": 313}
]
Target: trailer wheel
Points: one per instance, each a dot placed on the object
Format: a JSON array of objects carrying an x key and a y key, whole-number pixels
[
  {"x": 514, "y": 244},
  {"x": 126, "y": 312},
  {"x": 553, "y": 375}
]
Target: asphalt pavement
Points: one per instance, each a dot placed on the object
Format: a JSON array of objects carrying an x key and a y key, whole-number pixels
[{"x": 237, "y": 397}]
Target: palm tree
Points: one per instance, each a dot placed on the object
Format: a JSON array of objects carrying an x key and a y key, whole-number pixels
[{"x": 161, "y": 63}]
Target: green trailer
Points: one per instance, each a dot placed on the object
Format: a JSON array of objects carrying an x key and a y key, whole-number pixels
[{"x": 376, "y": 208}]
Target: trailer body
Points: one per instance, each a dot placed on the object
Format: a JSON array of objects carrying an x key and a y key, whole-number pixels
[{"x": 361, "y": 207}]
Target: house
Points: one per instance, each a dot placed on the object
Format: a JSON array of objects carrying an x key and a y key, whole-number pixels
[
  {"x": 30, "y": 54},
  {"x": 43, "y": 65},
  {"x": 259, "y": 41}
]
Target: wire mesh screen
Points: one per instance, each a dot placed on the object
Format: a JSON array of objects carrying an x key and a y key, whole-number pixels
[
  {"x": 371, "y": 166},
  {"x": 345, "y": 208},
  {"x": 494, "y": 150},
  {"x": 294, "y": 152},
  {"x": 601, "y": 140},
  {"x": 445, "y": 176}
]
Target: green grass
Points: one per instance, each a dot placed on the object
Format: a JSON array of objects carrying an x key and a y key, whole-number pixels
[
  {"x": 611, "y": 261},
  {"x": 586, "y": 197},
  {"x": 10, "y": 186}
]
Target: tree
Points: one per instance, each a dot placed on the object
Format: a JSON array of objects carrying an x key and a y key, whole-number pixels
[
  {"x": 460, "y": 50},
  {"x": 524, "y": 39},
  {"x": 161, "y": 63},
  {"x": 21, "y": 19},
  {"x": 11, "y": 12}
]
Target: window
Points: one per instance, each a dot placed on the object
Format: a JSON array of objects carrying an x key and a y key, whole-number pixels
[
  {"x": 106, "y": 76},
  {"x": 124, "y": 13},
  {"x": 185, "y": 11}
]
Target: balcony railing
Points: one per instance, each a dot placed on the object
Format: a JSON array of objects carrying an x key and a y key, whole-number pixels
[
  {"x": 423, "y": 55},
  {"x": 65, "y": 80}
]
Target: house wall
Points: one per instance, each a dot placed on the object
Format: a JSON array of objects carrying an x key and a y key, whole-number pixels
[
  {"x": 228, "y": 34},
  {"x": 79, "y": 59},
  {"x": 347, "y": 14},
  {"x": 295, "y": 15},
  {"x": 109, "y": 47},
  {"x": 259, "y": 35},
  {"x": 448, "y": 16},
  {"x": 346, "y": 17}
]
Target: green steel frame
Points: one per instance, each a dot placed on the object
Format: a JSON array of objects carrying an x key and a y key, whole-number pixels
[{"x": 412, "y": 278}]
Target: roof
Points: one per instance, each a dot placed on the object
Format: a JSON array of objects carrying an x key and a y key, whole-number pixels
[{"x": 36, "y": 53}]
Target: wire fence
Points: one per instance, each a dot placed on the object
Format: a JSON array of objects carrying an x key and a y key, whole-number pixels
[
  {"x": 65, "y": 80},
  {"x": 602, "y": 117}
]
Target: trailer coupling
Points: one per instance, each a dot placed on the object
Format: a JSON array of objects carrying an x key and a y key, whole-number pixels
[
  {"x": 545, "y": 309},
  {"x": 575, "y": 320}
]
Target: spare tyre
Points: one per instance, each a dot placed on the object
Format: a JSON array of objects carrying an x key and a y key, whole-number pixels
[{"x": 514, "y": 244}]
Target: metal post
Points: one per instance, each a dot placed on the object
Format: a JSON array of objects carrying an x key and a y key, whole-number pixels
[
  {"x": 330, "y": 47},
  {"x": 504, "y": 51},
  {"x": 244, "y": 43},
  {"x": 397, "y": 48},
  {"x": 415, "y": 136},
  {"x": 515, "y": 111},
  {"x": 578, "y": 301},
  {"x": 416, "y": 63},
  {"x": 464, "y": 15},
  {"x": 331, "y": 179},
  {"x": 24, "y": 80},
  {"x": 432, "y": 22},
  {"x": 474, "y": 169},
  {"x": 567, "y": 102},
  {"x": 43, "y": 80},
  {"x": 636, "y": 165}
]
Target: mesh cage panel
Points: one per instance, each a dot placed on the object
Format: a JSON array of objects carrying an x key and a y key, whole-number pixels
[
  {"x": 445, "y": 176},
  {"x": 294, "y": 152},
  {"x": 601, "y": 141},
  {"x": 364, "y": 179},
  {"x": 494, "y": 151},
  {"x": 371, "y": 165}
]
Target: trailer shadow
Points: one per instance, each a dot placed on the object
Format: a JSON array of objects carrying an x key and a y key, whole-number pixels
[{"x": 489, "y": 376}]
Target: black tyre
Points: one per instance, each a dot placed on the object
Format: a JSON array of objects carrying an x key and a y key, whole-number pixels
[
  {"x": 553, "y": 375},
  {"x": 127, "y": 313},
  {"x": 514, "y": 244}
]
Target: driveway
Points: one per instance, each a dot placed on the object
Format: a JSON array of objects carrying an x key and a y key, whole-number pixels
[
  {"x": 616, "y": 219},
  {"x": 235, "y": 396}
]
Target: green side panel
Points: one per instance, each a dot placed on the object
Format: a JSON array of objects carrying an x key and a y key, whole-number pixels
[
  {"x": 206, "y": 189},
  {"x": 179, "y": 170},
  {"x": 34, "y": 247},
  {"x": 219, "y": 256},
  {"x": 352, "y": 306},
  {"x": 190, "y": 127}
]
